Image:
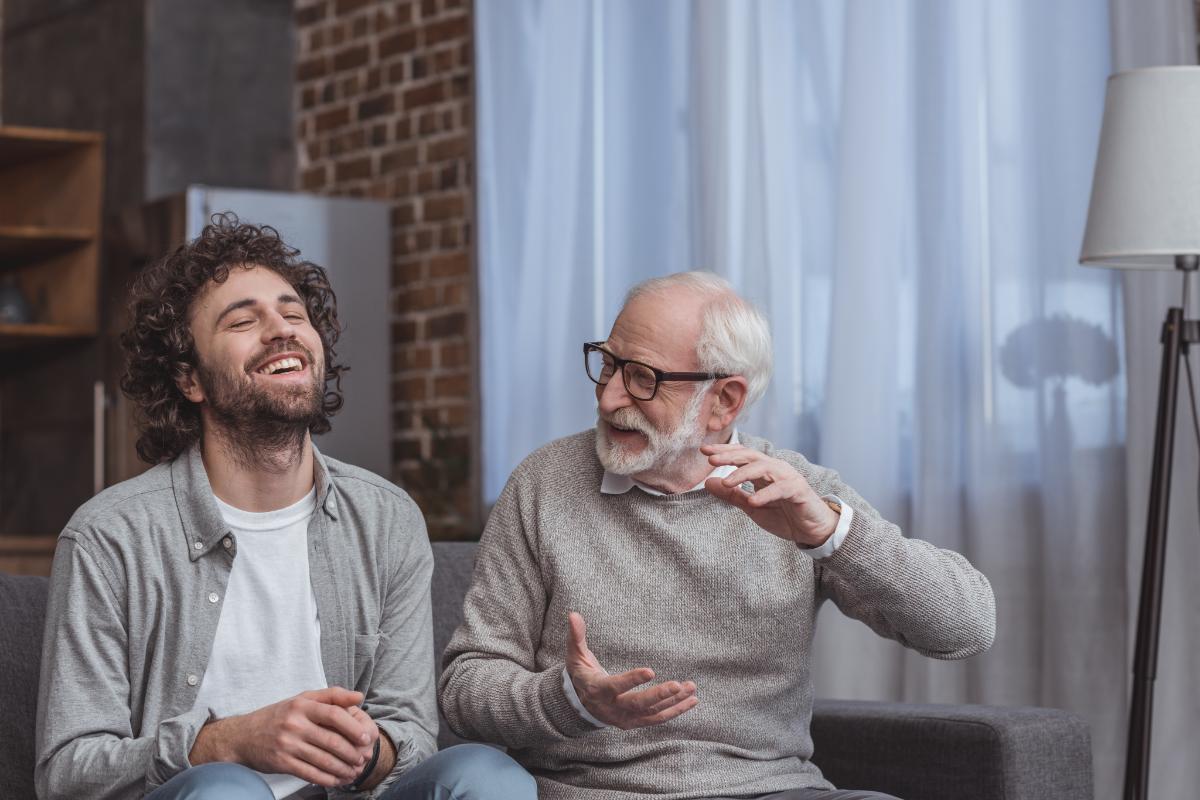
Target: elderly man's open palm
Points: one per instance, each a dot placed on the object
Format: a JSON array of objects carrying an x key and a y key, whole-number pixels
[{"x": 615, "y": 699}]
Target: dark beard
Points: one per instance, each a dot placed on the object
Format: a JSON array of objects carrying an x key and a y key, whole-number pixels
[{"x": 260, "y": 428}]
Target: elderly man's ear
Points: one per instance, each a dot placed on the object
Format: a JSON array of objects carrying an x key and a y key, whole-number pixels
[{"x": 729, "y": 396}]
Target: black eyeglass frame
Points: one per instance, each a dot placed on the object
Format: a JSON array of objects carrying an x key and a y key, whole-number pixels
[{"x": 659, "y": 375}]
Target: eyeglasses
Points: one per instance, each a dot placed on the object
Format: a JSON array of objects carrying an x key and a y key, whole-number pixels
[{"x": 641, "y": 380}]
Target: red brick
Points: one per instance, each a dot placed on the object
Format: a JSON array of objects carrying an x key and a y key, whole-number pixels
[
  {"x": 312, "y": 68},
  {"x": 453, "y": 323},
  {"x": 456, "y": 27},
  {"x": 452, "y": 354},
  {"x": 380, "y": 104},
  {"x": 451, "y": 386},
  {"x": 449, "y": 265},
  {"x": 447, "y": 148},
  {"x": 345, "y": 7},
  {"x": 421, "y": 298},
  {"x": 428, "y": 123},
  {"x": 454, "y": 294},
  {"x": 429, "y": 8},
  {"x": 407, "y": 271},
  {"x": 399, "y": 158},
  {"x": 445, "y": 206},
  {"x": 449, "y": 238},
  {"x": 445, "y": 59},
  {"x": 398, "y": 43},
  {"x": 333, "y": 118},
  {"x": 423, "y": 241},
  {"x": 418, "y": 357},
  {"x": 351, "y": 58},
  {"x": 408, "y": 448},
  {"x": 425, "y": 95},
  {"x": 405, "y": 331},
  {"x": 347, "y": 142},
  {"x": 396, "y": 72},
  {"x": 353, "y": 170},
  {"x": 313, "y": 179}
]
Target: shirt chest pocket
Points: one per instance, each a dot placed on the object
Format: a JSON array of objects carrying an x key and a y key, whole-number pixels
[{"x": 365, "y": 646}]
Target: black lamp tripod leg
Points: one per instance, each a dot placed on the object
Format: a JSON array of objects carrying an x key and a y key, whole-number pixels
[{"x": 1145, "y": 658}]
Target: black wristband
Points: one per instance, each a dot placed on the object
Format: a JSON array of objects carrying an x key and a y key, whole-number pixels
[{"x": 365, "y": 775}]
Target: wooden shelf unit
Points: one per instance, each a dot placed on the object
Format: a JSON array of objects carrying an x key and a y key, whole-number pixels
[
  {"x": 51, "y": 185},
  {"x": 51, "y": 196}
]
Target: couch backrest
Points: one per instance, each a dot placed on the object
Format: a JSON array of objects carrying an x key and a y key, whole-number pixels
[{"x": 23, "y": 614}]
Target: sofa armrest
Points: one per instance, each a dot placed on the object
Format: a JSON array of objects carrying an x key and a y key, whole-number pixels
[{"x": 944, "y": 752}]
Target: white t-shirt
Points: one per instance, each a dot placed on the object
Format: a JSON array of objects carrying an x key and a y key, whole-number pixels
[{"x": 268, "y": 642}]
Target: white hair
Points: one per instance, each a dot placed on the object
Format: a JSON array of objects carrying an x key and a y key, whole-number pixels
[{"x": 735, "y": 338}]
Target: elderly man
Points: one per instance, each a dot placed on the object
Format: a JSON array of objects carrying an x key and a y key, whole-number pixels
[{"x": 695, "y": 553}]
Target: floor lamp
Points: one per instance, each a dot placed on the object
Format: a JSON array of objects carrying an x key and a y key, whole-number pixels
[{"x": 1145, "y": 214}]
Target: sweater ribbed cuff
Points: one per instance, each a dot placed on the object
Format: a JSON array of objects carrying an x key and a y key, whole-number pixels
[{"x": 557, "y": 706}]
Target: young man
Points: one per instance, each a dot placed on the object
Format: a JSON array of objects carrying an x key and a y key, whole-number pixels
[
  {"x": 247, "y": 619},
  {"x": 695, "y": 553}
]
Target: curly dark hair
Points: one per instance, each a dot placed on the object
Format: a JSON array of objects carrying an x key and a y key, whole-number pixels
[{"x": 158, "y": 345}]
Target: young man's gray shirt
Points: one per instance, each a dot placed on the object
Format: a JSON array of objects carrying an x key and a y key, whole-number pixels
[{"x": 135, "y": 595}]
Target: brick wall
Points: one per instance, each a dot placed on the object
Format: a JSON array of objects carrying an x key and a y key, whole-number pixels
[{"x": 384, "y": 109}]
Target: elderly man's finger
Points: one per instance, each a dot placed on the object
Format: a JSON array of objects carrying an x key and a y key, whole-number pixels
[
  {"x": 668, "y": 714},
  {"x": 685, "y": 691},
  {"x": 730, "y": 494},
  {"x": 719, "y": 448},
  {"x": 737, "y": 457},
  {"x": 784, "y": 490},
  {"x": 759, "y": 472},
  {"x": 641, "y": 701},
  {"x": 621, "y": 684}
]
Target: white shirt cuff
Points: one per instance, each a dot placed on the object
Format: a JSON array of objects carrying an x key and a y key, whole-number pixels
[
  {"x": 576, "y": 703},
  {"x": 839, "y": 533}
]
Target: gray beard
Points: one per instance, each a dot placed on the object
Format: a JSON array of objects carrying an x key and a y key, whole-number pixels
[{"x": 662, "y": 450}]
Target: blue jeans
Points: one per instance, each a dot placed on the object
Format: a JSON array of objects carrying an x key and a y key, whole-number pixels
[{"x": 465, "y": 772}]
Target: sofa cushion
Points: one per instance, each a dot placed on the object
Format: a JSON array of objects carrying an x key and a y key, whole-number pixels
[{"x": 23, "y": 600}]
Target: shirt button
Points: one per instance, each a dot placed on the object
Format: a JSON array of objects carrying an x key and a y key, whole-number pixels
[
  {"x": 198, "y": 545},
  {"x": 227, "y": 542},
  {"x": 192, "y": 680},
  {"x": 212, "y": 597}
]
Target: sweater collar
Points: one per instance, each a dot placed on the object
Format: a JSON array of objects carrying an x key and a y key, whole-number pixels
[{"x": 612, "y": 483}]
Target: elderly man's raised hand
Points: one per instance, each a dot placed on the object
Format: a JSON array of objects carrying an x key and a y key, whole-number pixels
[
  {"x": 615, "y": 699},
  {"x": 782, "y": 502}
]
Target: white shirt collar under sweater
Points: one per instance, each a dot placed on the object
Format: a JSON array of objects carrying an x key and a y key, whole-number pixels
[{"x": 613, "y": 483}]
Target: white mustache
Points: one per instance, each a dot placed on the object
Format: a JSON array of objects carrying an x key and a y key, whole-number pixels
[{"x": 630, "y": 420}]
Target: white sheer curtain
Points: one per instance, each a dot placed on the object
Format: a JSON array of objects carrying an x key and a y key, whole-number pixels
[{"x": 902, "y": 187}]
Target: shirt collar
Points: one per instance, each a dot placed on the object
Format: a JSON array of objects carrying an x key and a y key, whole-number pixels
[
  {"x": 202, "y": 523},
  {"x": 613, "y": 483}
]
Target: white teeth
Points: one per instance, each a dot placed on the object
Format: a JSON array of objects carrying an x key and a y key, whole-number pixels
[{"x": 280, "y": 365}]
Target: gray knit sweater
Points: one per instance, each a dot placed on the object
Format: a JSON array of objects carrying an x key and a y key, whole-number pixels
[{"x": 692, "y": 588}]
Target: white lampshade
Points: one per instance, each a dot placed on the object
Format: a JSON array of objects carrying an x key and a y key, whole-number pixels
[{"x": 1145, "y": 207}]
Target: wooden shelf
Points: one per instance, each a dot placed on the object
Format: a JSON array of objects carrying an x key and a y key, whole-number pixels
[
  {"x": 21, "y": 243},
  {"x": 19, "y": 145}
]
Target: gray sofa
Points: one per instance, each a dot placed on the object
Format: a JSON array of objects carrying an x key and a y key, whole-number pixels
[{"x": 916, "y": 752}]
